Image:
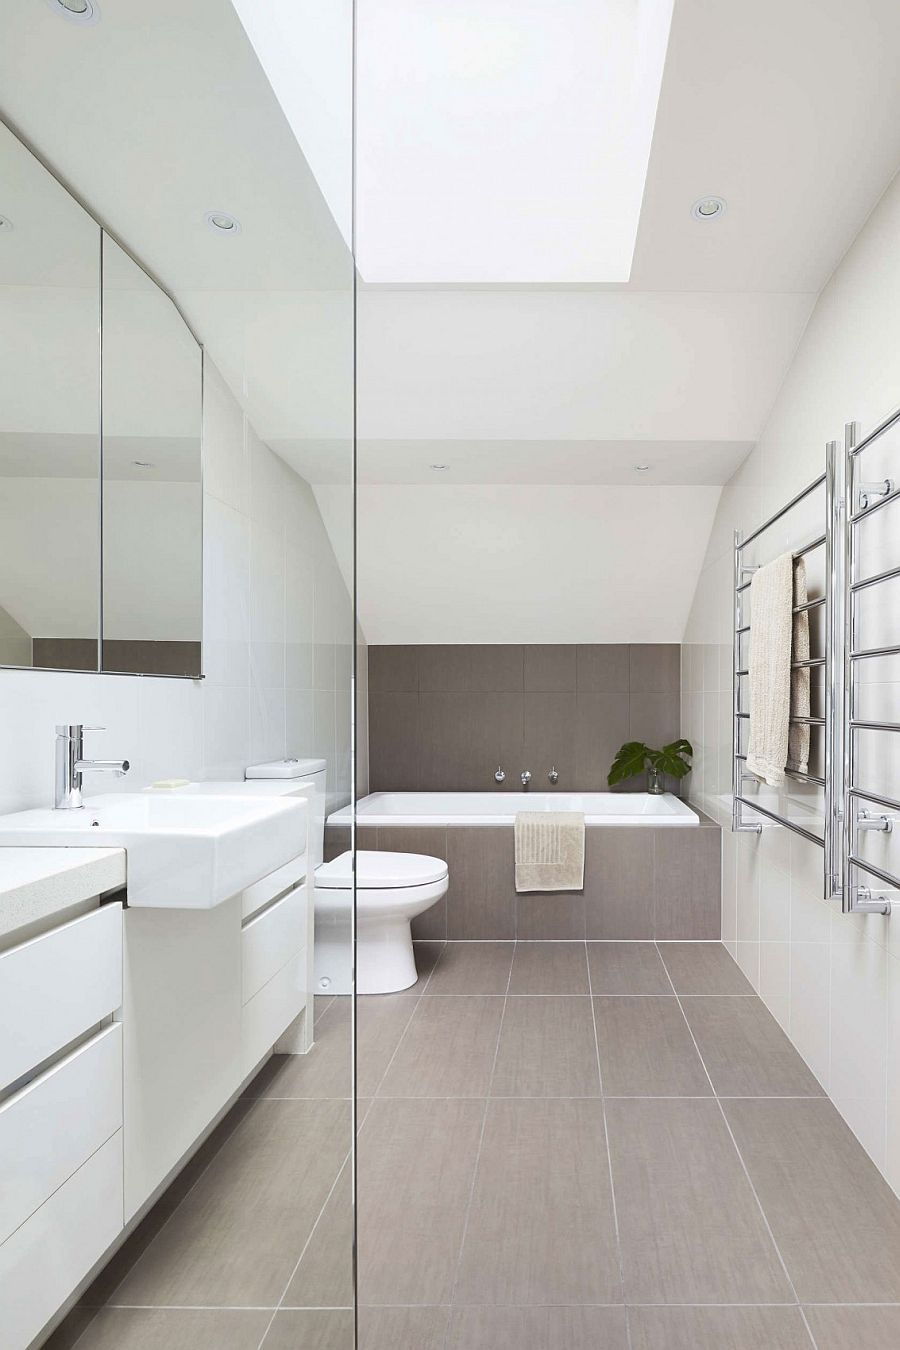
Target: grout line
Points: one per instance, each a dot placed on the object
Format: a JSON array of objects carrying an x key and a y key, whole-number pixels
[
  {"x": 743, "y": 1164},
  {"x": 471, "y": 1196},
  {"x": 612, "y": 1184},
  {"x": 305, "y": 1248}
]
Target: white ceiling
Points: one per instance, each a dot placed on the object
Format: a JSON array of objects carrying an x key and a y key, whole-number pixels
[{"x": 791, "y": 112}]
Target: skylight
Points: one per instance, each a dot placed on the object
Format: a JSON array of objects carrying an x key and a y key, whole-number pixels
[{"x": 504, "y": 140}]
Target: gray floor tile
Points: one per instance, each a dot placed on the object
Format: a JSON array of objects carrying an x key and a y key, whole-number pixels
[
  {"x": 416, "y": 1161},
  {"x": 403, "y": 1328},
  {"x": 855, "y": 1328},
  {"x": 235, "y": 1239},
  {"x": 324, "y": 1277},
  {"x": 537, "y": 1329},
  {"x": 547, "y": 1049},
  {"x": 646, "y": 1049},
  {"x": 690, "y": 1228},
  {"x": 627, "y": 968},
  {"x": 745, "y": 1050},
  {"x": 427, "y": 955},
  {"x": 322, "y": 1329},
  {"x": 835, "y": 1219},
  {"x": 174, "y": 1329},
  {"x": 448, "y": 1049},
  {"x": 718, "y": 1329},
  {"x": 703, "y": 968},
  {"x": 325, "y": 1072},
  {"x": 541, "y": 1159},
  {"x": 473, "y": 968},
  {"x": 549, "y": 968}
]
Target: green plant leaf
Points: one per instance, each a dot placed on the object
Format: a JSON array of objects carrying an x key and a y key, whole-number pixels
[
  {"x": 670, "y": 759},
  {"x": 630, "y": 759}
]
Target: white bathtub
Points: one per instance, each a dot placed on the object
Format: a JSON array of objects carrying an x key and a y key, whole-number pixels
[{"x": 500, "y": 808}]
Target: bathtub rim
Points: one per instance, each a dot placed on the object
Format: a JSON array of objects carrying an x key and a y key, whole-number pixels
[{"x": 686, "y": 818}]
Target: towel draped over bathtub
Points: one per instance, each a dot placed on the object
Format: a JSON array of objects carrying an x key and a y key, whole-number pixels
[
  {"x": 549, "y": 850},
  {"x": 778, "y": 636}
]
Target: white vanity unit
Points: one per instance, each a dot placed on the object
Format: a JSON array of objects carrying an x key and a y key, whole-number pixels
[
  {"x": 61, "y": 1117},
  {"x": 129, "y": 1029}
]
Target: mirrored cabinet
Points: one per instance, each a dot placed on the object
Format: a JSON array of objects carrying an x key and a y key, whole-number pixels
[{"x": 101, "y": 500}]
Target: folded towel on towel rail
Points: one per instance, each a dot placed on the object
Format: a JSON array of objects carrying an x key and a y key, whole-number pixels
[
  {"x": 549, "y": 850},
  {"x": 776, "y": 690}
]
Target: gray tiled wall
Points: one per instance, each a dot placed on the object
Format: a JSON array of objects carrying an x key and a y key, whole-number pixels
[
  {"x": 441, "y": 718},
  {"x": 640, "y": 883}
]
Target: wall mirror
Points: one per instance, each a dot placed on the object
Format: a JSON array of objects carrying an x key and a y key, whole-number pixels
[
  {"x": 49, "y": 419},
  {"x": 101, "y": 538},
  {"x": 152, "y": 490}
]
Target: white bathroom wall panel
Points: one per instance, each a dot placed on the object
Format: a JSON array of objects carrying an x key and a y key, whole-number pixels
[
  {"x": 832, "y": 980},
  {"x": 277, "y": 631}
]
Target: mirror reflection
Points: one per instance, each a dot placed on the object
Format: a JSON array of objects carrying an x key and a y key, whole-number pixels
[
  {"x": 50, "y": 419},
  {"x": 152, "y": 491}
]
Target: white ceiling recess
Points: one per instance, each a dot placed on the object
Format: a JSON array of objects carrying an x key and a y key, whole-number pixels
[
  {"x": 504, "y": 140},
  {"x": 532, "y": 563}
]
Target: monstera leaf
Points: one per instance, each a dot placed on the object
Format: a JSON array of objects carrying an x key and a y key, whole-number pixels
[
  {"x": 630, "y": 759},
  {"x": 635, "y": 756},
  {"x": 669, "y": 759}
]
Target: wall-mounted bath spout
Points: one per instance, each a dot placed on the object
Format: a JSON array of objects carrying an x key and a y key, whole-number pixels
[
  {"x": 553, "y": 775},
  {"x": 525, "y": 777}
]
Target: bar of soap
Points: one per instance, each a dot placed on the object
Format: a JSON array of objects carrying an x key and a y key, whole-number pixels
[{"x": 169, "y": 783}]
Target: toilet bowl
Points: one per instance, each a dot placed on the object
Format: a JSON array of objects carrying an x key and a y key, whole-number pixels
[{"x": 391, "y": 889}]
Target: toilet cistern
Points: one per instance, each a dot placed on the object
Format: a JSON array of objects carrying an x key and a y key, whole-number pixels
[{"x": 70, "y": 765}]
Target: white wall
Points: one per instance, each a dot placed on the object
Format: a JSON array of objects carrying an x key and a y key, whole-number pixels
[
  {"x": 532, "y": 563},
  {"x": 278, "y": 640},
  {"x": 833, "y": 981}
]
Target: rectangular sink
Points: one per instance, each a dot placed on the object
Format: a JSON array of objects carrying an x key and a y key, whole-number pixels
[{"x": 184, "y": 852}]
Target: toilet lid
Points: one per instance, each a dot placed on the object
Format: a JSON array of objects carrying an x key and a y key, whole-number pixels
[{"x": 380, "y": 871}]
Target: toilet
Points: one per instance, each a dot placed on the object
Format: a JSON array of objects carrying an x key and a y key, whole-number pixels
[{"x": 391, "y": 889}]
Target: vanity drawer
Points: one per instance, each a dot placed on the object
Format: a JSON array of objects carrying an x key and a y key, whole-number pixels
[
  {"x": 48, "y": 1256},
  {"x": 269, "y": 940},
  {"x": 49, "y": 1128},
  {"x": 57, "y": 986},
  {"x": 270, "y": 1012},
  {"x": 262, "y": 892}
]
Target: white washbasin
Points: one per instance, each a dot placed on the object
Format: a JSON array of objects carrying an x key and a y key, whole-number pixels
[{"x": 184, "y": 852}]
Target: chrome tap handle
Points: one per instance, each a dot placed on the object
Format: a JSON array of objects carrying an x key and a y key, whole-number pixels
[
  {"x": 499, "y": 775},
  {"x": 553, "y": 775},
  {"x": 525, "y": 777}
]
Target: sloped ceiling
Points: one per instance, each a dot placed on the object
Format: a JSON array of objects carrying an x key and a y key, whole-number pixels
[{"x": 539, "y": 399}]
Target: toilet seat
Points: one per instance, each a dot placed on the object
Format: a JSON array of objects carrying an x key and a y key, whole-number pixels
[{"x": 380, "y": 871}]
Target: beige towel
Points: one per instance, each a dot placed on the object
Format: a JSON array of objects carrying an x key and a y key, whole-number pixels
[
  {"x": 549, "y": 851},
  {"x": 772, "y": 682},
  {"x": 798, "y": 735}
]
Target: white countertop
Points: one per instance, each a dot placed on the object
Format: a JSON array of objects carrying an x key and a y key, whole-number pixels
[{"x": 38, "y": 882}]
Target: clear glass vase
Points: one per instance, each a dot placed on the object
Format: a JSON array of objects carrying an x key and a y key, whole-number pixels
[{"x": 655, "y": 783}]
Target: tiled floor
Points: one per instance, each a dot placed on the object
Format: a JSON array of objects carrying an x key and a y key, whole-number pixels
[{"x": 562, "y": 1146}]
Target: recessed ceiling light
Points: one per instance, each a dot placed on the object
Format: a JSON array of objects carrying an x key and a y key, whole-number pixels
[
  {"x": 708, "y": 208},
  {"x": 222, "y": 222},
  {"x": 439, "y": 468},
  {"x": 642, "y": 468},
  {"x": 5, "y": 223},
  {"x": 76, "y": 11}
]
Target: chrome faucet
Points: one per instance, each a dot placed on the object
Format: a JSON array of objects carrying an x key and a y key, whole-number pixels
[
  {"x": 70, "y": 765},
  {"x": 525, "y": 777}
]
